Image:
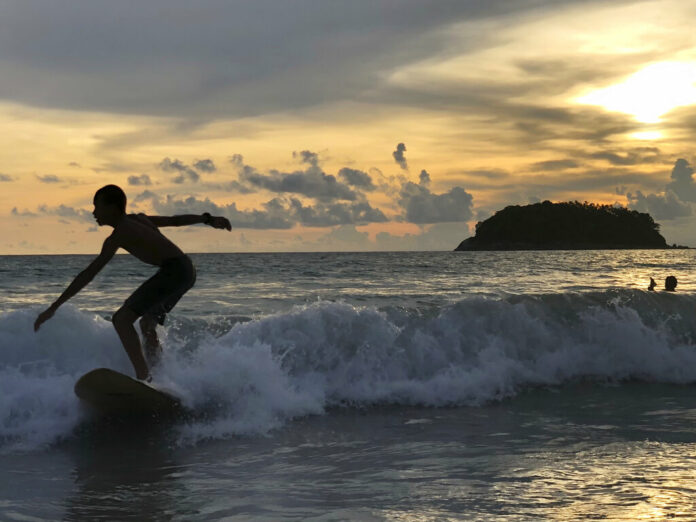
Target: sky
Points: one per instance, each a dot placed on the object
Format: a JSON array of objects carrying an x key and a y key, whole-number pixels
[{"x": 317, "y": 125}]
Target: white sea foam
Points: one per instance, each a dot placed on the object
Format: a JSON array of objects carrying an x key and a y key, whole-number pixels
[{"x": 263, "y": 373}]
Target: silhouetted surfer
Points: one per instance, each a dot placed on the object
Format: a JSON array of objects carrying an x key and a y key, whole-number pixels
[{"x": 140, "y": 236}]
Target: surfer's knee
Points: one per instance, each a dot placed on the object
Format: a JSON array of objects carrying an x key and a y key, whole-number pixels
[
  {"x": 148, "y": 324},
  {"x": 123, "y": 317}
]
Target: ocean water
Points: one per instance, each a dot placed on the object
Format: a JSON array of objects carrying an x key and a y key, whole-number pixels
[{"x": 370, "y": 386}]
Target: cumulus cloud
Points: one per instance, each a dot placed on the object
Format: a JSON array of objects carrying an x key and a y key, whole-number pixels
[
  {"x": 312, "y": 182},
  {"x": 672, "y": 203},
  {"x": 143, "y": 179},
  {"x": 205, "y": 165},
  {"x": 682, "y": 183},
  {"x": 22, "y": 213},
  {"x": 278, "y": 213},
  {"x": 273, "y": 214},
  {"x": 324, "y": 215},
  {"x": 65, "y": 211},
  {"x": 357, "y": 178},
  {"x": 659, "y": 206},
  {"x": 184, "y": 171},
  {"x": 424, "y": 178},
  {"x": 399, "y": 157},
  {"x": 307, "y": 156},
  {"x": 422, "y": 206},
  {"x": 237, "y": 160}
]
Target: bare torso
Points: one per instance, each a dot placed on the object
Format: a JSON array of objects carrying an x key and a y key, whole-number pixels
[{"x": 141, "y": 238}]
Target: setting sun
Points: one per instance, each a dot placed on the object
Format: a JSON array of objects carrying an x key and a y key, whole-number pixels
[{"x": 650, "y": 93}]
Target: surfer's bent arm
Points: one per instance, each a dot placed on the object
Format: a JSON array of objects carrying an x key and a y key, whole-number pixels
[
  {"x": 82, "y": 279},
  {"x": 191, "y": 219}
]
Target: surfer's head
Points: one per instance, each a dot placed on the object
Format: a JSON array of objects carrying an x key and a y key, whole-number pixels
[
  {"x": 670, "y": 283},
  {"x": 109, "y": 204}
]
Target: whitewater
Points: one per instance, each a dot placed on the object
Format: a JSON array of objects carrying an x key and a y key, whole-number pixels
[{"x": 483, "y": 357}]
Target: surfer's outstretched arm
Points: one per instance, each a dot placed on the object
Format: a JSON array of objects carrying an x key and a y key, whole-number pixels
[
  {"x": 191, "y": 219},
  {"x": 81, "y": 280}
]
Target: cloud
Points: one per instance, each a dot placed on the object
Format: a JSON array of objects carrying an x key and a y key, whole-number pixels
[
  {"x": 113, "y": 58},
  {"x": 205, "y": 165},
  {"x": 67, "y": 212},
  {"x": 424, "y": 178},
  {"x": 277, "y": 213},
  {"x": 659, "y": 206},
  {"x": 184, "y": 170},
  {"x": 325, "y": 215},
  {"x": 312, "y": 182},
  {"x": 307, "y": 156},
  {"x": 5, "y": 177},
  {"x": 273, "y": 215},
  {"x": 682, "y": 183},
  {"x": 674, "y": 201},
  {"x": 143, "y": 179},
  {"x": 398, "y": 155},
  {"x": 357, "y": 178},
  {"x": 636, "y": 156},
  {"x": 22, "y": 213},
  {"x": 422, "y": 206},
  {"x": 49, "y": 178},
  {"x": 555, "y": 165}
]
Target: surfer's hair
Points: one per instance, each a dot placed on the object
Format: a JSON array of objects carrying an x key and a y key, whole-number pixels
[{"x": 112, "y": 195}]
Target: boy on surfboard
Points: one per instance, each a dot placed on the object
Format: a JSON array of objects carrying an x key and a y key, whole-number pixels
[{"x": 139, "y": 235}]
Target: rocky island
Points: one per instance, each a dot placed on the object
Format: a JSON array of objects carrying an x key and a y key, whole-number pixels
[{"x": 565, "y": 226}]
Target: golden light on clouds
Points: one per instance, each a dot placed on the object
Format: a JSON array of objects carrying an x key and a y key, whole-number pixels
[
  {"x": 650, "y": 93},
  {"x": 555, "y": 101}
]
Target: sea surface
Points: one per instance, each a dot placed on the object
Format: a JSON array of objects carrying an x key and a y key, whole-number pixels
[{"x": 363, "y": 386}]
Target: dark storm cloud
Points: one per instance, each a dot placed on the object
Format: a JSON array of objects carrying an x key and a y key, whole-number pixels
[
  {"x": 143, "y": 179},
  {"x": 184, "y": 171},
  {"x": 399, "y": 157},
  {"x": 356, "y": 178},
  {"x": 247, "y": 58},
  {"x": 422, "y": 206}
]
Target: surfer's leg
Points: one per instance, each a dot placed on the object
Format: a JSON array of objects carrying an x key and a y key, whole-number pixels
[
  {"x": 123, "y": 321},
  {"x": 153, "y": 348}
]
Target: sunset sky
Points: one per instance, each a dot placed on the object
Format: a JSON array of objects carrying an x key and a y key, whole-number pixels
[{"x": 354, "y": 125}]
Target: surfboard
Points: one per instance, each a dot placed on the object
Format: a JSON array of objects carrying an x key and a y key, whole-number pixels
[{"x": 113, "y": 393}]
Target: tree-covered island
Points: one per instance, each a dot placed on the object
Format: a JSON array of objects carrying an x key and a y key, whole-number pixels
[{"x": 565, "y": 226}]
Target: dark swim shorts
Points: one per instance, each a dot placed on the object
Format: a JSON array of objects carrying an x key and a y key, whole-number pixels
[{"x": 158, "y": 295}]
